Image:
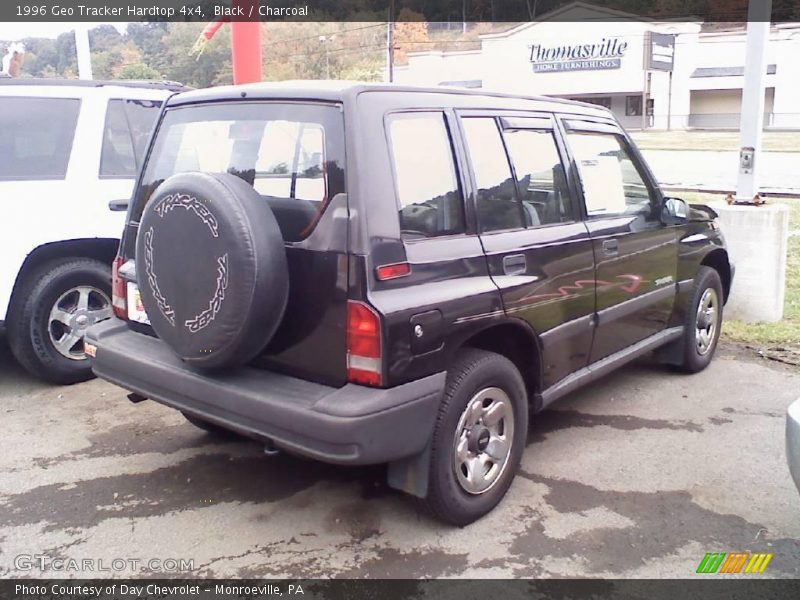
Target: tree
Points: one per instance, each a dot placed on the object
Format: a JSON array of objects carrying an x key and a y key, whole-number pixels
[
  {"x": 213, "y": 67},
  {"x": 149, "y": 40},
  {"x": 139, "y": 71}
]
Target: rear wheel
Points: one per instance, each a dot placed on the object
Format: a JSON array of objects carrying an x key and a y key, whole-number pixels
[
  {"x": 55, "y": 306},
  {"x": 478, "y": 438},
  {"x": 703, "y": 321}
]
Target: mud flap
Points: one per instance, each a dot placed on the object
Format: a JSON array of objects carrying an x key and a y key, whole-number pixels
[
  {"x": 671, "y": 354},
  {"x": 410, "y": 475}
]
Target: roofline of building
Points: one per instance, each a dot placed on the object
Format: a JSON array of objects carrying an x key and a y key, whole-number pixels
[
  {"x": 549, "y": 16},
  {"x": 444, "y": 52}
]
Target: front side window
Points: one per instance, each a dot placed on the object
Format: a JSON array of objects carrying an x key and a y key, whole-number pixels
[
  {"x": 292, "y": 155},
  {"x": 541, "y": 177},
  {"x": 127, "y": 130},
  {"x": 36, "y": 137},
  {"x": 612, "y": 184},
  {"x": 498, "y": 206},
  {"x": 425, "y": 176}
]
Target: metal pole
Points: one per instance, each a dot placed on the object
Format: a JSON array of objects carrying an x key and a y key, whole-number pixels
[
  {"x": 83, "y": 51},
  {"x": 644, "y": 101},
  {"x": 390, "y": 50},
  {"x": 669, "y": 104},
  {"x": 752, "y": 117}
]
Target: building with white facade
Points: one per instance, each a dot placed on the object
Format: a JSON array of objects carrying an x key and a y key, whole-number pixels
[{"x": 678, "y": 74}]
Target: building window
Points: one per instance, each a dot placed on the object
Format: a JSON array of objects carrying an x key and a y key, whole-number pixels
[
  {"x": 604, "y": 101},
  {"x": 633, "y": 106}
]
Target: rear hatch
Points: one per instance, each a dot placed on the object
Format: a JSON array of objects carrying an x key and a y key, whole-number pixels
[{"x": 292, "y": 153}]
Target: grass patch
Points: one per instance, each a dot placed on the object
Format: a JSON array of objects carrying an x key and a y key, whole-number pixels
[
  {"x": 787, "y": 331},
  {"x": 774, "y": 141}
]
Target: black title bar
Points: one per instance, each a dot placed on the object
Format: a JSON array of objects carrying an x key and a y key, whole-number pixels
[{"x": 731, "y": 11}]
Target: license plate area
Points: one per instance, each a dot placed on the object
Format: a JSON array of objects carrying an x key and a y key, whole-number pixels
[{"x": 136, "y": 311}]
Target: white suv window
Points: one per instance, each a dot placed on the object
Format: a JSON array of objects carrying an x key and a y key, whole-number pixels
[
  {"x": 127, "y": 130},
  {"x": 36, "y": 137}
]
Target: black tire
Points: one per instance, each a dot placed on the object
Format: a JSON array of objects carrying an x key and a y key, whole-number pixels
[
  {"x": 473, "y": 372},
  {"x": 29, "y": 326},
  {"x": 210, "y": 428},
  {"x": 694, "y": 359},
  {"x": 212, "y": 268}
]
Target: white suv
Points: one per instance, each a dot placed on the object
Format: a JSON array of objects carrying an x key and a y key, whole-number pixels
[{"x": 69, "y": 155}]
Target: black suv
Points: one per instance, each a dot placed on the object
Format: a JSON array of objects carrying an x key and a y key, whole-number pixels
[{"x": 377, "y": 274}]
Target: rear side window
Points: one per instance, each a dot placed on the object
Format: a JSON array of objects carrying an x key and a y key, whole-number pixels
[
  {"x": 292, "y": 155},
  {"x": 499, "y": 207},
  {"x": 425, "y": 176},
  {"x": 125, "y": 135},
  {"x": 542, "y": 180},
  {"x": 36, "y": 137}
]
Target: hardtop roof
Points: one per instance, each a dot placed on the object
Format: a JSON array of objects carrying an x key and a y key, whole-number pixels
[{"x": 347, "y": 91}]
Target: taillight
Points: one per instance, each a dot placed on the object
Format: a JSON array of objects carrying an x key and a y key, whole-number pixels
[
  {"x": 387, "y": 272},
  {"x": 363, "y": 344},
  {"x": 118, "y": 292}
]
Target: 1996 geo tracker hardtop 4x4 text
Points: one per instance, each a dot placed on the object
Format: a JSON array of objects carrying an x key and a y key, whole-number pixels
[{"x": 378, "y": 274}]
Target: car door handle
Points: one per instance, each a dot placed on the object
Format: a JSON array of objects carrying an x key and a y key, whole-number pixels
[
  {"x": 514, "y": 264},
  {"x": 118, "y": 205},
  {"x": 610, "y": 247}
]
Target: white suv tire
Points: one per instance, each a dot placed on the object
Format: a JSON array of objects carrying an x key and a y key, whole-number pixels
[{"x": 52, "y": 309}]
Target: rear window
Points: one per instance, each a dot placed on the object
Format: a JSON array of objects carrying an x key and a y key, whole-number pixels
[
  {"x": 125, "y": 135},
  {"x": 292, "y": 155},
  {"x": 36, "y": 137}
]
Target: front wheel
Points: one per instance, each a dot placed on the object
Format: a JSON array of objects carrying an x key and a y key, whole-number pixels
[
  {"x": 56, "y": 304},
  {"x": 703, "y": 321},
  {"x": 478, "y": 437}
]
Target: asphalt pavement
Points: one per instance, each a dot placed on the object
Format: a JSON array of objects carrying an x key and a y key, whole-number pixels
[{"x": 639, "y": 475}]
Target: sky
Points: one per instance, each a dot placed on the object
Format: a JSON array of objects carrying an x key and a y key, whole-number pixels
[{"x": 18, "y": 31}]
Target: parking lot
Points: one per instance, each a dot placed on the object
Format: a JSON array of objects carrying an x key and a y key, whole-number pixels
[{"x": 639, "y": 475}]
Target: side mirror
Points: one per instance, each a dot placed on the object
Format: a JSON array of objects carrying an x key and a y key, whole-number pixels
[
  {"x": 676, "y": 209},
  {"x": 118, "y": 205}
]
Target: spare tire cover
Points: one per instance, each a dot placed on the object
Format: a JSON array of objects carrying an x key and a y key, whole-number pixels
[{"x": 211, "y": 268}]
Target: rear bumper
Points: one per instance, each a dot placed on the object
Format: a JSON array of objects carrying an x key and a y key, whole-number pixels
[
  {"x": 793, "y": 441},
  {"x": 348, "y": 425}
]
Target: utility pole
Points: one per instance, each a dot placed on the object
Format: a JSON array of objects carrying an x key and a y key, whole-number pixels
[
  {"x": 325, "y": 40},
  {"x": 83, "y": 51},
  {"x": 752, "y": 118},
  {"x": 390, "y": 46}
]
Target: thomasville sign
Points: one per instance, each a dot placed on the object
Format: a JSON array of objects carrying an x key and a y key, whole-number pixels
[{"x": 579, "y": 57}]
